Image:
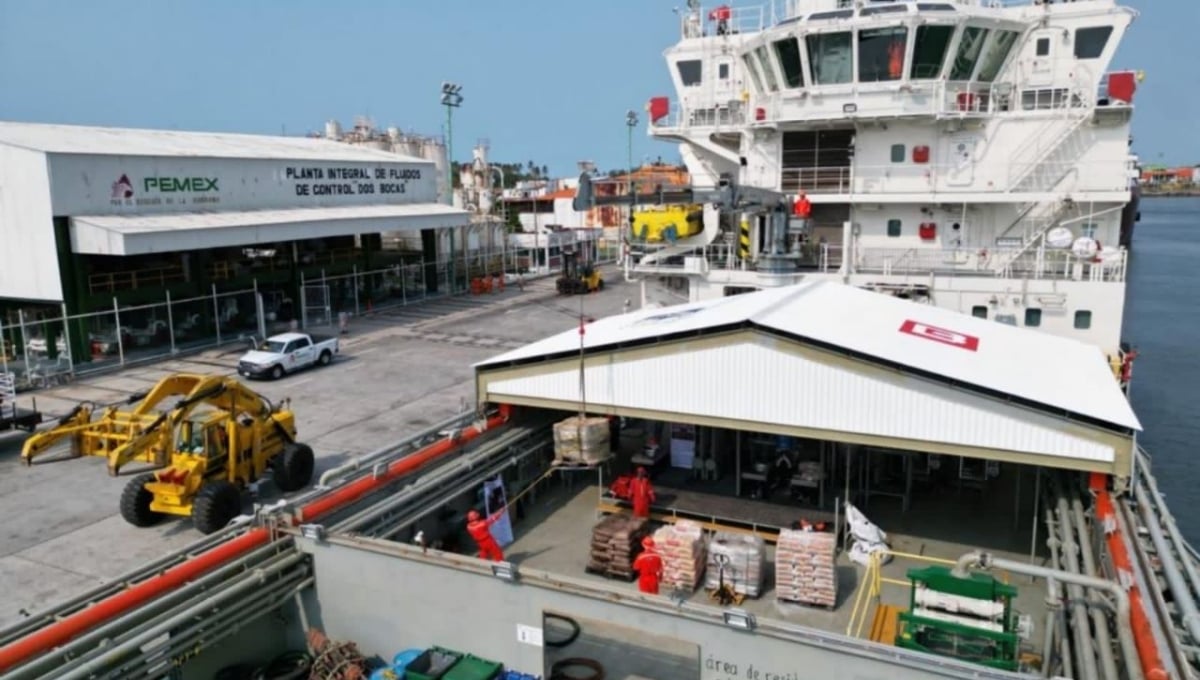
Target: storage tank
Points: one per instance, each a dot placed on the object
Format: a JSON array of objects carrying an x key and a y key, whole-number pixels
[
  {"x": 333, "y": 129},
  {"x": 434, "y": 150}
]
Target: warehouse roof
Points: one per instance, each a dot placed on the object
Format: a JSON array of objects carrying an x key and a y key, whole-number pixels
[
  {"x": 1048, "y": 371},
  {"x": 78, "y": 139},
  {"x": 140, "y": 234}
]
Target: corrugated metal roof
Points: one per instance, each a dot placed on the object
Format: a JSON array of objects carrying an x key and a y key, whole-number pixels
[
  {"x": 135, "y": 234},
  {"x": 79, "y": 139},
  {"x": 1037, "y": 367}
]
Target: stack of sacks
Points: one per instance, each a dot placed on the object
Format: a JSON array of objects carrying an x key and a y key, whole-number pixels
[
  {"x": 810, "y": 472},
  {"x": 682, "y": 548},
  {"x": 582, "y": 440},
  {"x": 804, "y": 567},
  {"x": 616, "y": 540},
  {"x": 744, "y": 566}
]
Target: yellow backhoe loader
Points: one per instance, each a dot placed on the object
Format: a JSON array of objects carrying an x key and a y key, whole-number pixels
[{"x": 217, "y": 438}]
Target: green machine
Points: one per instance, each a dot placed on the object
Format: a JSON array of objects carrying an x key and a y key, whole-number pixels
[{"x": 969, "y": 618}]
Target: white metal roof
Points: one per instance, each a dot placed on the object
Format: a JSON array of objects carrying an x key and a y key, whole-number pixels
[
  {"x": 80, "y": 139},
  {"x": 1034, "y": 366},
  {"x": 140, "y": 234}
]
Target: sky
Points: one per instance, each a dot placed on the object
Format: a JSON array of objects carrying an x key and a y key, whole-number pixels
[{"x": 542, "y": 81}]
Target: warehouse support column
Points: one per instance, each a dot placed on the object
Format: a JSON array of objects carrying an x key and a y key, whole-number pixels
[
  {"x": 72, "y": 274},
  {"x": 429, "y": 254}
]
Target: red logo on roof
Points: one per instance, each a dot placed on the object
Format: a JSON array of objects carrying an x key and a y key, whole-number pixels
[{"x": 942, "y": 335}]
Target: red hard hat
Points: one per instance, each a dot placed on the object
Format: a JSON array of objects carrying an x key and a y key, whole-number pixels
[
  {"x": 473, "y": 516},
  {"x": 648, "y": 543},
  {"x": 641, "y": 471}
]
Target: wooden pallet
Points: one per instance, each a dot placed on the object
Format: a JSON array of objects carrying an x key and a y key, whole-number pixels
[
  {"x": 886, "y": 623},
  {"x": 609, "y": 575}
]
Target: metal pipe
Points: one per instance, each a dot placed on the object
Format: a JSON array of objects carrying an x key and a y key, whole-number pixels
[
  {"x": 983, "y": 560},
  {"x": 1079, "y": 618},
  {"x": 1048, "y": 645},
  {"x": 1180, "y": 592},
  {"x": 1054, "y": 594},
  {"x": 358, "y": 461},
  {"x": 1099, "y": 620},
  {"x": 201, "y": 608},
  {"x": 1168, "y": 520},
  {"x": 139, "y": 615}
]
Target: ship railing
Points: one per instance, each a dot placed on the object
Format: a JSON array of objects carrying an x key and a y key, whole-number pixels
[
  {"x": 819, "y": 257},
  {"x": 746, "y": 19},
  {"x": 993, "y": 177},
  {"x": 730, "y": 113},
  {"x": 999, "y": 262}
]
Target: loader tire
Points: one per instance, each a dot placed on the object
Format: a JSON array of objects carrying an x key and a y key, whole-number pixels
[
  {"x": 217, "y": 502},
  {"x": 135, "y": 502},
  {"x": 293, "y": 467}
]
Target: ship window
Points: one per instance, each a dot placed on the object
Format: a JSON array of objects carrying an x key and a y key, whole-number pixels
[
  {"x": 893, "y": 228},
  {"x": 835, "y": 14},
  {"x": 929, "y": 52},
  {"x": 1033, "y": 317},
  {"x": 1083, "y": 319},
  {"x": 1090, "y": 42},
  {"x": 749, "y": 64},
  {"x": 897, "y": 153},
  {"x": 996, "y": 53},
  {"x": 882, "y": 9},
  {"x": 1089, "y": 230},
  {"x": 1043, "y": 47},
  {"x": 979, "y": 311},
  {"x": 934, "y": 7},
  {"x": 689, "y": 72},
  {"x": 831, "y": 59},
  {"x": 968, "y": 52},
  {"x": 788, "y": 51},
  {"x": 881, "y": 53},
  {"x": 764, "y": 62},
  {"x": 723, "y": 71}
]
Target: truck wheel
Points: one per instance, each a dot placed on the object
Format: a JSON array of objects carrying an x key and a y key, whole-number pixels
[
  {"x": 135, "y": 502},
  {"x": 217, "y": 502},
  {"x": 325, "y": 359},
  {"x": 277, "y": 372},
  {"x": 293, "y": 467}
]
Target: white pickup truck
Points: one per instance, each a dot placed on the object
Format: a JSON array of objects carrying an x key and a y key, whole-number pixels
[{"x": 285, "y": 353}]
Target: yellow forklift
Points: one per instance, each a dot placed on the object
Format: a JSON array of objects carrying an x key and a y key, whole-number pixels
[
  {"x": 578, "y": 277},
  {"x": 219, "y": 437}
]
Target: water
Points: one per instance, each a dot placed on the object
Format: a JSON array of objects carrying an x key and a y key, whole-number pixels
[{"x": 1162, "y": 319}]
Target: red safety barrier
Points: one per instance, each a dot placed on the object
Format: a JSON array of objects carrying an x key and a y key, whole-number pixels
[
  {"x": 1143, "y": 633},
  {"x": 62, "y": 631}
]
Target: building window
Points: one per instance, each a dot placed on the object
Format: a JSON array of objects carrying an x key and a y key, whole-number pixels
[
  {"x": 689, "y": 72},
  {"x": 897, "y": 153},
  {"x": 881, "y": 53},
  {"x": 968, "y": 52},
  {"x": 830, "y": 57},
  {"x": 929, "y": 52},
  {"x": 1083, "y": 319},
  {"x": 1043, "y": 47},
  {"x": 996, "y": 53},
  {"x": 1033, "y": 317},
  {"x": 979, "y": 311},
  {"x": 723, "y": 71},
  {"x": 893, "y": 228},
  {"x": 1090, "y": 42},
  {"x": 749, "y": 64},
  {"x": 788, "y": 52}
]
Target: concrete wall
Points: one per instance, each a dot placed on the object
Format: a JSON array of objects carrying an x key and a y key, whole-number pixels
[
  {"x": 28, "y": 255},
  {"x": 115, "y": 185},
  {"x": 386, "y": 604}
]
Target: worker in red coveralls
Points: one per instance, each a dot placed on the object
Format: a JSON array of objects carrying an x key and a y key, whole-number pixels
[
  {"x": 802, "y": 213},
  {"x": 649, "y": 566},
  {"x": 641, "y": 493},
  {"x": 481, "y": 530}
]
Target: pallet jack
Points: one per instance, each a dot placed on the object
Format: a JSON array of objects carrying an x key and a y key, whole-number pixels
[{"x": 724, "y": 594}]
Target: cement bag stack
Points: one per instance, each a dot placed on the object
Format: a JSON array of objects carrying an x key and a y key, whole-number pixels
[
  {"x": 581, "y": 440},
  {"x": 682, "y": 548},
  {"x": 804, "y": 567},
  {"x": 744, "y": 569},
  {"x": 615, "y": 542}
]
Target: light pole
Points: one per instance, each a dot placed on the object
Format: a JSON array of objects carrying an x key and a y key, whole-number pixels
[
  {"x": 451, "y": 99},
  {"x": 631, "y": 121}
]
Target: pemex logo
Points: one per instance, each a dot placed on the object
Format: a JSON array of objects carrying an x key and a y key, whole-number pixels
[{"x": 122, "y": 188}]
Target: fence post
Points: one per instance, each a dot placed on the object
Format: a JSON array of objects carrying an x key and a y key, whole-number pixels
[
  {"x": 261, "y": 314},
  {"x": 67, "y": 340},
  {"x": 170, "y": 323},
  {"x": 120, "y": 335},
  {"x": 3, "y": 348},
  {"x": 424, "y": 279},
  {"x": 403, "y": 274},
  {"x": 216, "y": 314},
  {"x": 354, "y": 285},
  {"x": 303, "y": 302},
  {"x": 24, "y": 341}
]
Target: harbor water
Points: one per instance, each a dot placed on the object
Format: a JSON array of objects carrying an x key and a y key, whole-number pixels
[{"x": 1162, "y": 320}]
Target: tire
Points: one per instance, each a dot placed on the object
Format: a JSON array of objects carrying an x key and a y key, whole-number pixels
[
  {"x": 135, "y": 503},
  {"x": 276, "y": 372},
  {"x": 326, "y": 358},
  {"x": 217, "y": 502},
  {"x": 293, "y": 467}
]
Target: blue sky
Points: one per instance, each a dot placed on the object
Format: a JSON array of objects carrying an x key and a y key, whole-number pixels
[{"x": 543, "y": 81}]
